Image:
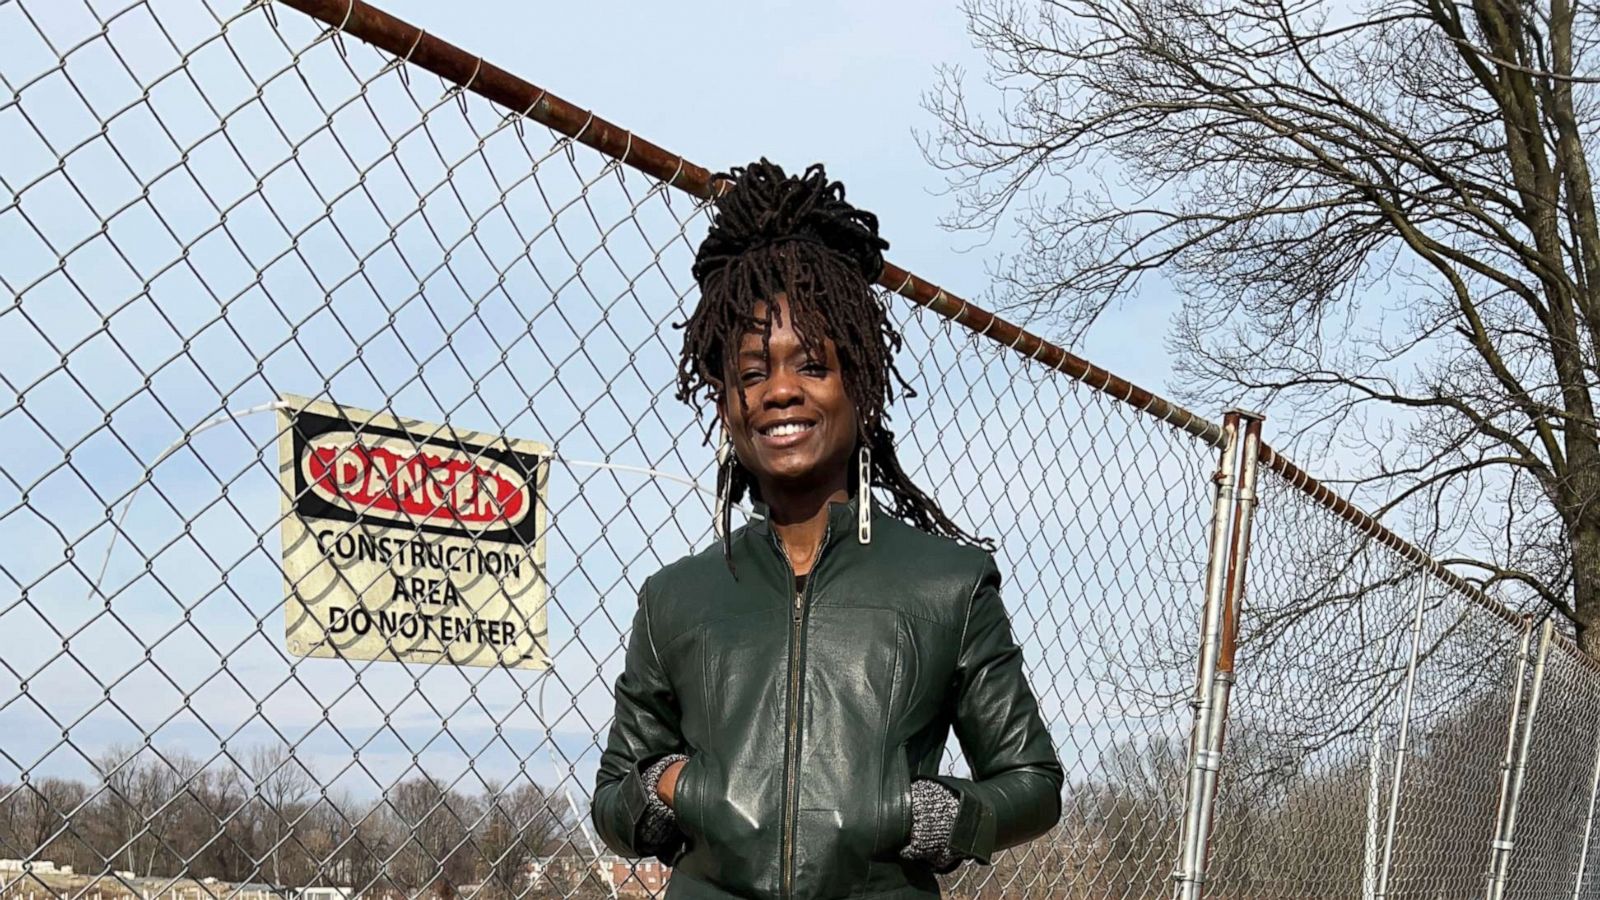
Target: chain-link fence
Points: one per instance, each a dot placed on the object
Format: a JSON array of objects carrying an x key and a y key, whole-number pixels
[
  {"x": 1331, "y": 624},
  {"x": 214, "y": 217}
]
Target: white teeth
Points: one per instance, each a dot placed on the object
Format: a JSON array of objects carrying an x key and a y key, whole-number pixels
[{"x": 787, "y": 428}]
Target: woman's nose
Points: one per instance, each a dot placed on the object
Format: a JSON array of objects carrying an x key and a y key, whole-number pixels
[{"x": 783, "y": 388}]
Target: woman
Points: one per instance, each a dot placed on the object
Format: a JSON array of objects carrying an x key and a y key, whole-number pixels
[{"x": 786, "y": 696}]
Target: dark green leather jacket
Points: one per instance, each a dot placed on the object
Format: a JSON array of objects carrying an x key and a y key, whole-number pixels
[{"x": 806, "y": 717}]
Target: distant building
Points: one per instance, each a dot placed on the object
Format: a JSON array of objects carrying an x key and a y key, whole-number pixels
[
  {"x": 323, "y": 893},
  {"x": 36, "y": 866},
  {"x": 570, "y": 863},
  {"x": 641, "y": 877},
  {"x": 567, "y": 864}
]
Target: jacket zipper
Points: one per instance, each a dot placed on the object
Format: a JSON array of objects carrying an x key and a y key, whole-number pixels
[{"x": 792, "y": 718}]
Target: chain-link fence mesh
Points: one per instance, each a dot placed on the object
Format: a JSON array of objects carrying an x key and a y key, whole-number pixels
[
  {"x": 213, "y": 208},
  {"x": 205, "y": 208},
  {"x": 1558, "y": 794},
  {"x": 1329, "y": 623}
]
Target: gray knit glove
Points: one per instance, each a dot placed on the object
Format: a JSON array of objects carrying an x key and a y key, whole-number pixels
[
  {"x": 659, "y": 820},
  {"x": 933, "y": 814}
]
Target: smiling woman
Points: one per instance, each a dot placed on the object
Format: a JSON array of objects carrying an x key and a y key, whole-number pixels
[
  {"x": 774, "y": 238},
  {"x": 782, "y": 710},
  {"x": 791, "y": 421}
]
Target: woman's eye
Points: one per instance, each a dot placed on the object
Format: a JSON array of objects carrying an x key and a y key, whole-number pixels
[
  {"x": 816, "y": 368},
  {"x": 750, "y": 375}
]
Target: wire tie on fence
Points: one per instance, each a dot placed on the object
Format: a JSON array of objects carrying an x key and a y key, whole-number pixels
[
  {"x": 586, "y": 123},
  {"x": 460, "y": 90},
  {"x": 901, "y": 290},
  {"x": 623, "y": 159},
  {"x": 672, "y": 182},
  {"x": 268, "y": 5},
  {"x": 988, "y": 325},
  {"x": 528, "y": 113},
  {"x": 403, "y": 63},
  {"x": 1502, "y": 845},
  {"x": 1018, "y": 339}
]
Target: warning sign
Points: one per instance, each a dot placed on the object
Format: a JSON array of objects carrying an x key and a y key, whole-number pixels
[{"x": 408, "y": 541}]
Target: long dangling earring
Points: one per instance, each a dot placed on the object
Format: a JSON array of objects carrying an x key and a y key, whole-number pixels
[
  {"x": 864, "y": 495},
  {"x": 722, "y": 523},
  {"x": 724, "y": 486}
]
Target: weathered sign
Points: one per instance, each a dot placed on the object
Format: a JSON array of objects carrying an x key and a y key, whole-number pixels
[{"x": 408, "y": 541}]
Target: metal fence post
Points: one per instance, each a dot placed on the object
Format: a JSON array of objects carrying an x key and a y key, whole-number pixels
[
  {"x": 1230, "y": 551},
  {"x": 1403, "y": 747},
  {"x": 1210, "y": 636},
  {"x": 1511, "y": 742},
  {"x": 1588, "y": 821},
  {"x": 1511, "y": 779},
  {"x": 1369, "y": 843}
]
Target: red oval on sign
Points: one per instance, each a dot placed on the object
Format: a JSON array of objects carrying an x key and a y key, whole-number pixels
[{"x": 414, "y": 486}]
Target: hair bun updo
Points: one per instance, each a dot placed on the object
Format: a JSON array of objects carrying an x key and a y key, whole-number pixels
[{"x": 764, "y": 206}]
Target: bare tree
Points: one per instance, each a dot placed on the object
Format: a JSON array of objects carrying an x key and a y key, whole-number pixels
[
  {"x": 519, "y": 824},
  {"x": 435, "y": 827},
  {"x": 38, "y": 821},
  {"x": 135, "y": 802},
  {"x": 282, "y": 787},
  {"x": 1380, "y": 215}
]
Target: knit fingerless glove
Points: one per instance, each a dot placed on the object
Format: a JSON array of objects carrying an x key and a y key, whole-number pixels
[
  {"x": 933, "y": 814},
  {"x": 659, "y": 819}
]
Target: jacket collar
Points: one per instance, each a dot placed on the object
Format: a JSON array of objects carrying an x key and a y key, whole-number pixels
[{"x": 841, "y": 519}]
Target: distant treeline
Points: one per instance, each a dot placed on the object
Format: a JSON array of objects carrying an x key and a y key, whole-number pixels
[
  {"x": 267, "y": 817},
  {"x": 1295, "y": 817}
]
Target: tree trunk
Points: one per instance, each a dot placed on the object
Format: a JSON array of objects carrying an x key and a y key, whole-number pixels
[{"x": 1586, "y": 585}]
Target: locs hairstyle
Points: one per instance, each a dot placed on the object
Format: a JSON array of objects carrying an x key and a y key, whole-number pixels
[{"x": 771, "y": 233}]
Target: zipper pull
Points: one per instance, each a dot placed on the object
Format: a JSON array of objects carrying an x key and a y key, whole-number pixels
[{"x": 799, "y": 598}]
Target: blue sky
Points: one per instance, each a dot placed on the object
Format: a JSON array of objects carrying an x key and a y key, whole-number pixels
[{"x": 829, "y": 81}]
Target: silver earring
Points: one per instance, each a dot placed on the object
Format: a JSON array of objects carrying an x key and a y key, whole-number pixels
[
  {"x": 724, "y": 486},
  {"x": 864, "y": 496}
]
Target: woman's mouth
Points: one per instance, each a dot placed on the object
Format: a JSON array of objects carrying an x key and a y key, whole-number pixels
[{"x": 786, "y": 434}]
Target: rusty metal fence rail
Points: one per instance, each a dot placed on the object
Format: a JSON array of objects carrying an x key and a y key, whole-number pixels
[{"x": 208, "y": 207}]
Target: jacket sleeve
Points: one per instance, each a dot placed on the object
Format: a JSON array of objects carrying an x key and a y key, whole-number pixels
[
  {"x": 1014, "y": 794},
  {"x": 645, "y": 729}
]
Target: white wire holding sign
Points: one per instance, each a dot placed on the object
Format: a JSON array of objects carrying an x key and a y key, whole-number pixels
[{"x": 409, "y": 541}]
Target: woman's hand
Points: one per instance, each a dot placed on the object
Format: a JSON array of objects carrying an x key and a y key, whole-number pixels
[{"x": 669, "y": 782}]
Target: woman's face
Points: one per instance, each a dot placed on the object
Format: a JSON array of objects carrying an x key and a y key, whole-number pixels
[{"x": 798, "y": 427}]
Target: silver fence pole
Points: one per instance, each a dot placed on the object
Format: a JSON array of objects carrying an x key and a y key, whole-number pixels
[
  {"x": 1506, "y": 839},
  {"x": 1232, "y": 604},
  {"x": 1369, "y": 844},
  {"x": 1588, "y": 822},
  {"x": 1511, "y": 744},
  {"x": 1403, "y": 748},
  {"x": 1188, "y": 880}
]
